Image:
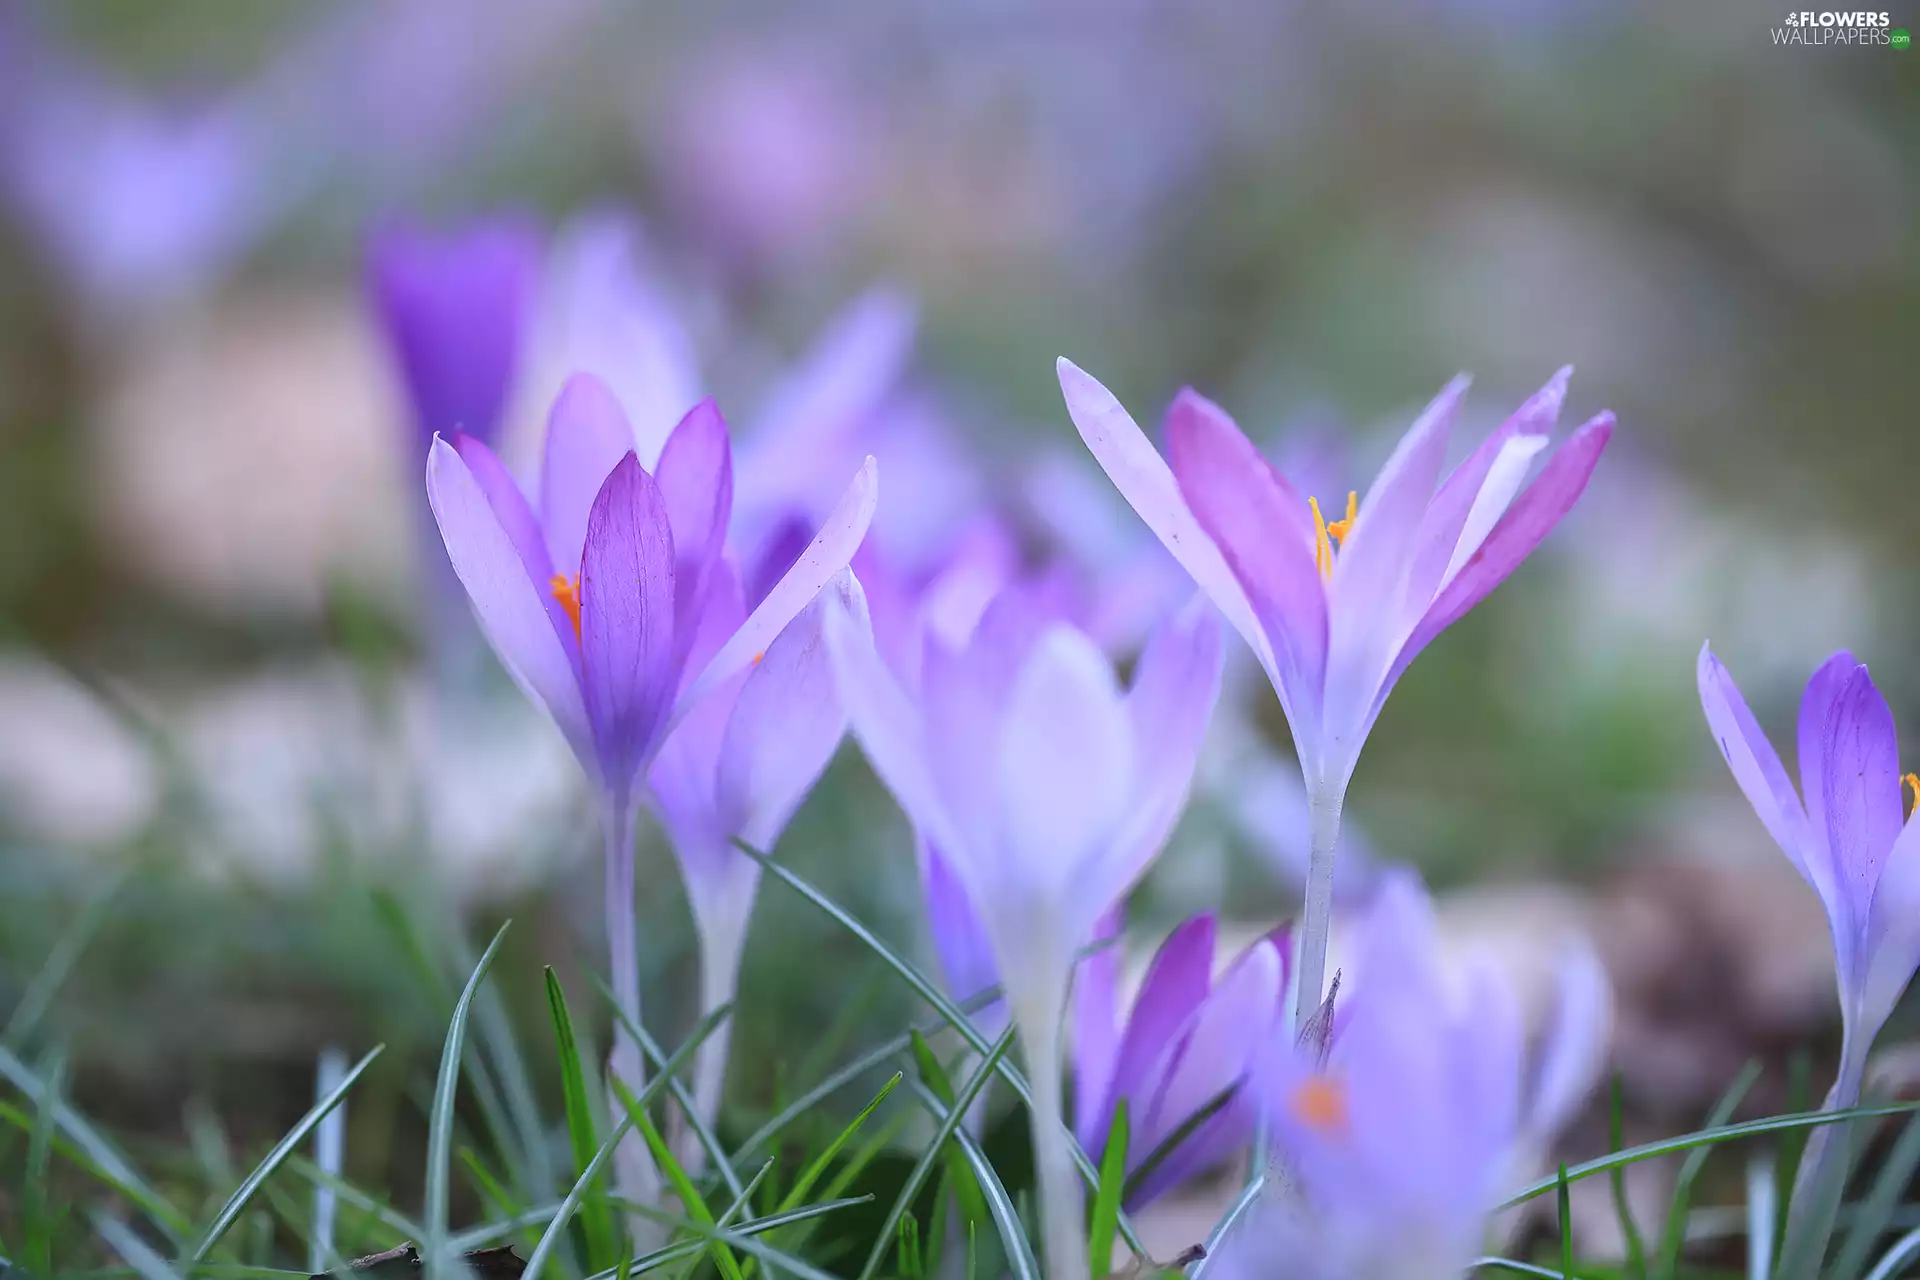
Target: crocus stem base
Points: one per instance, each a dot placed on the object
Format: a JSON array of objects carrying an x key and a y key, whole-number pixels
[
  {"x": 1822, "y": 1180},
  {"x": 1316, "y": 915},
  {"x": 634, "y": 1172},
  {"x": 1060, "y": 1192}
]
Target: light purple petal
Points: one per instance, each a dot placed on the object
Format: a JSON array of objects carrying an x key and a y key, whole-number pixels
[
  {"x": 1096, "y": 1029},
  {"x": 786, "y": 723},
  {"x": 626, "y": 623},
  {"x": 587, "y": 435},
  {"x": 778, "y": 552},
  {"x": 695, "y": 476},
  {"x": 1861, "y": 791},
  {"x": 512, "y": 608},
  {"x": 1573, "y": 1050},
  {"x": 831, "y": 550},
  {"x": 523, "y": 527},
  {"x": 966, "y": 958},
  {"x": 1252, "y": 516},
  {"x": 1893, "y": 934},
  {"x": 1527, "y": 523},
  {"x": 1816, "y": 707},
  {"x": 455, "y": 307},
  {"x": 1144, "y": 480},
  {"x": 1757, "y": 768},
  {"x": 1446, "y": 519},
  {"x": 1176, "y": 983}
]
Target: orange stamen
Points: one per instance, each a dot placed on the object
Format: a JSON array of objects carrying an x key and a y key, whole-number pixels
[
  {"x": 1326, "y": 534},
  {"x": 1912, "y": 780},
  {"x": 758, "y": 656},
  {"x": 566, "y": 589},
  {"x": 1320, "y": 1103}
]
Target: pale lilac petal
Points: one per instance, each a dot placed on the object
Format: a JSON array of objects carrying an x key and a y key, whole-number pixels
[
  {"x": 511, "y": 607},
  {"x": 1144, "y": 480},
  {"x": 522, "y": 526},
  {"x": 831, "y": 550},
  {"x": 1064, "y": 762},
  {"x": 455, "y": 307},
  {"x": 1252, "y": 516},
  {"x": 786, "y": 723},
  {"x": 778, "y": 552},
  {"x": 1096, "y": 1029},
  {"x": 1526, "y": 524},
  {"x": 811, "y": 419},
  {"x": 1444, "y": 529},
  {"x": 888, "y": 726},
  {"x": 1893, "y": 934},
  {"x": 587, "y": 435},
  {"x": 1757, "y": 768},
  {"x": 1816, "y": 706},
  {"x": 1573, "y": 1050},
  {"x": 1176, "y": 984},
  {"x": 1861, "y": 791},
  {"x": 695, "y": 476},
  {"x": 966, "y": 959},
  {"x": 626, "y": 623}
]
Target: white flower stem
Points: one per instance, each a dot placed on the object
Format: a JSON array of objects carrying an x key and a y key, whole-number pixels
[
  {"x": 1316, "y": 915},
  {"x": 634, "y": 1172},
  {"x": 1822, "y": 1180},
  {"x": 1061, "y": 1212},
  {"x": 719, "y": 982}
]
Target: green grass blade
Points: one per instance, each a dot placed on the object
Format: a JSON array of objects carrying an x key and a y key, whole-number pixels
[
  {"x": 1903, "y": 1251},
  {"x": 60, "y": 963},
  {"x": 690, "y": 1198},
  {"x": 596, "y": 1216},
  {"x": 710, "y": 1236},
  {"x": 446, "y": 1088},
  {"x": 38, "y": 1230},
  {"x": 354, "y": 1198},
  {"x": 927, "y": 991},
  {"x": 1760, "y": 1216},
  {"x": 137, "y": 1253},
  {"x": 101, "y": 1158},
  {"x": 501, "y": 1048},
  {"x": 1248, "y": 1196},
  {"x": 1106, "y": 1203},
  {"x": 243, "y": 1194},
  {"x": 1876, "y": 1211},
  {"x": 689, "y": 1248},
  {"x": 1521, "y": 1268},
  {"x": 1617, "y": 1177},
  {"x": 557, "y": 1228},
  {"x": 1675, "y": 1240},
  {"x": 820, "y": 1163},
  {"x": 1006, "y": 1219},
  {"x": 1689, "y": 1141},
  {"x": 1564, "y": 1190},
  {"x": 494, "y": 1232},
  {"x": 1171, "y": 1143},
  {"x": 956, "y": 1114}
]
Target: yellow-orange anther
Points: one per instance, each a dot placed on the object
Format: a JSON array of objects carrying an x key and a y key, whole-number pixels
[
  {"x": 1912, "y": 780},
  {"x": 758, "y": 656},
  {"x": 566, "y": 589},
  {"x": 1319, "y": 1103},
  {"x": 1325, "y": 534}
]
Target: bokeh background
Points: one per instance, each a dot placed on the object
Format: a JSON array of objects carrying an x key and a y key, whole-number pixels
[{"x": 226, "y": 775}]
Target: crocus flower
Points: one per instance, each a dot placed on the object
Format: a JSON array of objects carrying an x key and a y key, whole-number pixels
[
  {"x": 1846, "y": 832},
  {"x": 593, "y": 602},
  {"x": 1399, "y": 1142},
  {"x": 455, "y": 308},
  {"x": 1188, "y": 1043},
  {"x": 737, "y": 768},
  {"x": 1048, "y": 791},
  {"x": 1337, "y": 610}
]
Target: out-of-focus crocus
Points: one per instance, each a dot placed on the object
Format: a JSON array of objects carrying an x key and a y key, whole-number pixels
[
  {"x": 1337, "y": 610},
  {"x": 1048, "y": 791},
  {"x": 1188, "y": 1044},
  {"x": 1398, "y": 1142},
  {"x": 455, "y": 308},
  {"x": 736, "y": 768},
  {"x": 593, "y": 602},
  {"x": 1845, "y": 831}
]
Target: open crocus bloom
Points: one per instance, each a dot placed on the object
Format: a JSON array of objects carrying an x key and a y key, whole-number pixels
[
  {"x": 455, "y": 308},
  {"x": 1400, "y": 1141},
  {"x": 1337, "y": 610},
  {"x": 1047, "y": 791},
  {"x": 1187, "y": 1044},
  {"x": 1849, "y": 838}
]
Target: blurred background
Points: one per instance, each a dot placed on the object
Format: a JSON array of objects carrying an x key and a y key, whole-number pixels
[{"x": 227, "y": 770}]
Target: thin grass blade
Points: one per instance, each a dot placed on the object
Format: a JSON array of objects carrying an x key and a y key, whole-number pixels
[
  {"x": 1106, "y": 1202},
  {"x": 582, "y": 1128},
  {"x": 1674, "y": 1243},
  {"x": 446, "y": 1089}
]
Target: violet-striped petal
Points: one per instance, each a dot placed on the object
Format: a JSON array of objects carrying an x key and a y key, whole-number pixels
[
  {"x": 587, "y": 435},
  {"x": 830, "y": 552},
  {"x": 786, "y": 723},
  {"x": 1145, "y": 481},
  {"x": 511, "y": 607},
  {"x": 1892, "y": 935},
  {"x": 1860, "y": 787},
  {"x": 1177, "y": 982},
  {"x": 1816, "y": 707},
  {"x": 1096, "y": 1028},
  {"x": 455, "y": 308},
  {"x": 1249, "y": 512},
  {"x": 626, "y": 623},
  {"x": 695, "y": 476}
]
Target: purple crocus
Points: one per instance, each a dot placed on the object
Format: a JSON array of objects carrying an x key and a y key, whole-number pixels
[
  {"x": 736, "y": 768},
  {"x": 1188, "y": 1042},
  {"x": 1337, "y": 610},
  {"x": 1847, "y": 833},
  {"x": 594, "y": 601},
  {"x": 1399, "y": 1141},
  {"x": 455, "y": 307},
  {"x": 1047, "y": 790}
]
